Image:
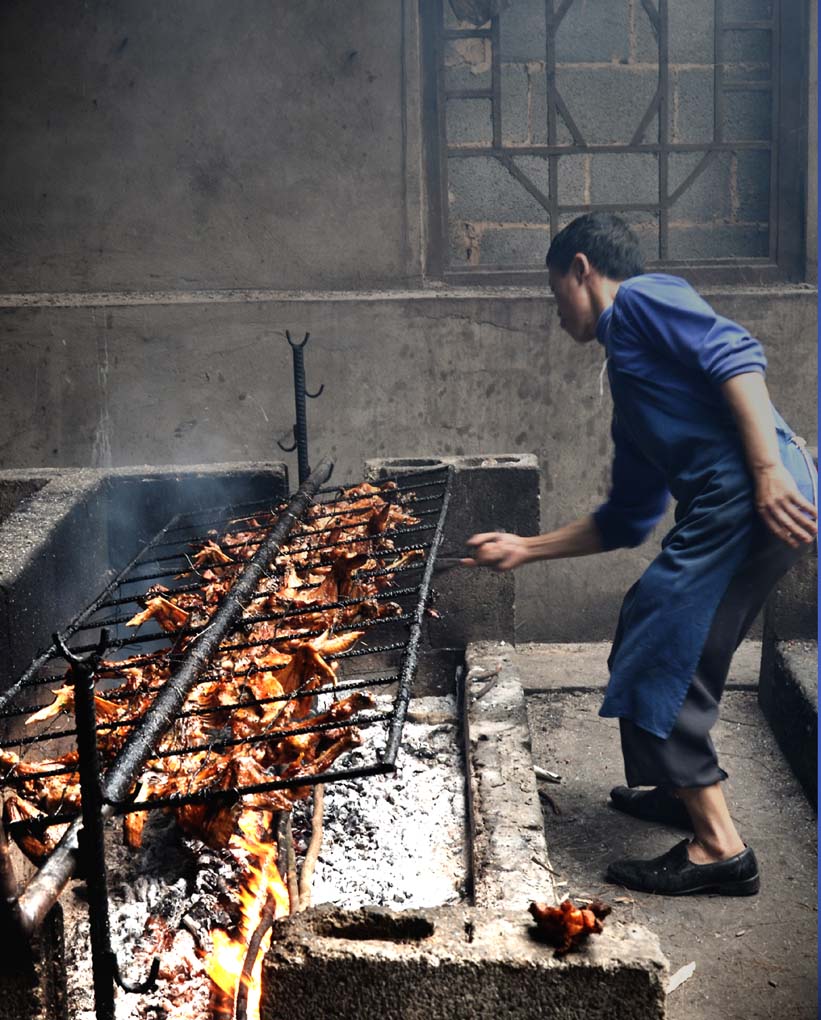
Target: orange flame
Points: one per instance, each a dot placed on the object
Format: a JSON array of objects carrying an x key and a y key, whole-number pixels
[{"x": 262, "y": 884}]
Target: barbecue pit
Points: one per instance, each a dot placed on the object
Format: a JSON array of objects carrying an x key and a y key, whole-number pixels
[{"x": 489, "y": 849}]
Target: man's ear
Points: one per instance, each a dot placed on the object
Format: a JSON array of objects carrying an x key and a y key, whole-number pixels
[{"x": 580, "y": 267}]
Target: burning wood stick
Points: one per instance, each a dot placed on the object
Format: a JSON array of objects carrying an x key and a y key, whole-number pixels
[{"x": 311, "y": 854}]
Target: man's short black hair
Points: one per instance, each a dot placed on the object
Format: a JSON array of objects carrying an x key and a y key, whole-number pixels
[{"x": 607, "y": 241}]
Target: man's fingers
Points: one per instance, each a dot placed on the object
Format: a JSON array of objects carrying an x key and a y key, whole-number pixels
[
  {"x": 481, "y": 538},
  {"x": 781, "y": 526},
  {"x": 466, "y": 561}
]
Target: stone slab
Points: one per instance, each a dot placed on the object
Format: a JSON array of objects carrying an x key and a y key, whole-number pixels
[{"x": 453, "y": 964}]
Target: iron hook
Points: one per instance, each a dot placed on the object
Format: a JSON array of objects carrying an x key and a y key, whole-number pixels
[
  {"x": 82, "y": 660},
  {"x": 318, "y": 393},
  {"x": 137, "y": 987},
  {"x": 296, "y": 346}
]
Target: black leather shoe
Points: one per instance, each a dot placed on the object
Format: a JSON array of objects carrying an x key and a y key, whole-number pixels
[
  {"x": 674, "y": 874},
  {"x": 656, "y": 805}
]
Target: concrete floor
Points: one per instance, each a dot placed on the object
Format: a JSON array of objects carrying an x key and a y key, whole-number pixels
[{"x": 755, "y": 957}]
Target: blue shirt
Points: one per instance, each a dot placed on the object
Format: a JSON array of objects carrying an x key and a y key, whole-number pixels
[{"x": 668, "y": 353}]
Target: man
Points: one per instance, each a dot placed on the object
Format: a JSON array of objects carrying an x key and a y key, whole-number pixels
[{"x": 692, "y": 417}]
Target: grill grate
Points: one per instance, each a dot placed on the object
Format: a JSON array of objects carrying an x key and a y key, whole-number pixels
[{"x": 387, "y": 666}]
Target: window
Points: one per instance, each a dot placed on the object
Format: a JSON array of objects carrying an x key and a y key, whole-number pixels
[{"x": 687, "y": 118}]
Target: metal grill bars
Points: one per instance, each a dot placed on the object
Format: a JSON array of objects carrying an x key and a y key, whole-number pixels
[{"x": 195, "y": 666}]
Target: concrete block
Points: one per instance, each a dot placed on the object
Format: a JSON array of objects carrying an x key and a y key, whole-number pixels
[
  {"x": 480, "y": 188},
  {"x": 708, "y": 197},
  {"x": 792, "y": 609},
  {"x": 753, "y": 186},
  {"x": 645, "y": 40},
  {"x": 468, "y": 120},
  {"x": 515, "y": 128},
  {"x": 691, "y": 111},
  {"x": 467, "y": 64},
  {"x": 748, "y": 46},
  {"x": 627, "y": 177},
  {"x": 538, "y": 107},
  {"x": 788, "y": 696},
  {"x": 499, "y": 492},
  {"x": 607, "y": 103},
  {"x": 691, "y": 32},
  {"x": 746, "y": 117},
  {"x": 453, "y": 964},
  {"x": 514, "y": 246},
  {"x": 522, "y": 31},
  {"x": 573, "y": 176},
  {"x": 723, "y": 241},
  {"x": 592, "y": 32}
]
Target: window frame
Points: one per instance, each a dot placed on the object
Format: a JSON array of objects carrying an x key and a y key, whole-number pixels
[{"x": 786, "y": 262}]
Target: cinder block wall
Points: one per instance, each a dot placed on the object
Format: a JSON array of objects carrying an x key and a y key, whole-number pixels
[{"x": 185, "y": 183}]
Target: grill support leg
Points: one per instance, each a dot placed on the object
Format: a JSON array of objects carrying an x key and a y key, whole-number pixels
[{"x": 92, "y": 837}]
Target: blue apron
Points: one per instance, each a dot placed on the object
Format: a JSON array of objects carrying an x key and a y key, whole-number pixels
[{"x": 667, "y": 614}]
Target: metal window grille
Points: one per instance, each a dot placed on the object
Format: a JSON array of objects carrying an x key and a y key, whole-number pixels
[{"x": 688, "y": 118}]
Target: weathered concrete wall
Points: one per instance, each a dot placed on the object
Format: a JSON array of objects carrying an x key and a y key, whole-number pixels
[
  {"x": 457, "y": 373},
  {"x": 203, "y": 144}
]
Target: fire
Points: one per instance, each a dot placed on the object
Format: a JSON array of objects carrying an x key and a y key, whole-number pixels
[{"x": 263, "y": 885}]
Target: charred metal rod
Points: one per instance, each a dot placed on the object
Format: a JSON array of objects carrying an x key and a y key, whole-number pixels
[
  {"x": 92, "y": 836},
  {"x": 44, "y": 889},
  {"x": 412, "y": 647}
]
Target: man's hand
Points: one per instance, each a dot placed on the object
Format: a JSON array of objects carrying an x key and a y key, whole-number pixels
[
  {"x": 497, "y": 550},
  {"x": 785, "y": 511}
]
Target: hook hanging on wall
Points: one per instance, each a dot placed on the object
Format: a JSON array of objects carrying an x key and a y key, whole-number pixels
[{"x": 300, "y": 443}]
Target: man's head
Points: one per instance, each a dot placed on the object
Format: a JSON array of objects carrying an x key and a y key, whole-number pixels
[{"x": 586, "y": 262}]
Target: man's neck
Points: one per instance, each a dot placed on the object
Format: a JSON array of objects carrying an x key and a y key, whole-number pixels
[{"x": 603, "y": 292}]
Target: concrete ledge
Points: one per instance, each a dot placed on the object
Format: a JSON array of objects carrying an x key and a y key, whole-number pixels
[
  {"x": 454, "y": 964},
  {"x": 510, "y": 860},
  {"x": 788, "y": 695}
]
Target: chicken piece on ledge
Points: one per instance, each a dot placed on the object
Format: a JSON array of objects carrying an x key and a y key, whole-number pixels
[{"x": 567, "y": 926}]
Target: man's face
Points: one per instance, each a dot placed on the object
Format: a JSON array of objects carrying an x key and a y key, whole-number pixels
[{"x": 576, "y": 314}]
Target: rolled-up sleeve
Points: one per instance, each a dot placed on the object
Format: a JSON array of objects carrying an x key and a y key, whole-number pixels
[
  {"x": 677, "y": 322},
  {"x": 638, "y": 496}
]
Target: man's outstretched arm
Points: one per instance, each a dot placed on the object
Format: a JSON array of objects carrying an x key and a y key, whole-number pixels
[
  {"x": 501, "y": 551},
  {"x": 785, "y": 511}
]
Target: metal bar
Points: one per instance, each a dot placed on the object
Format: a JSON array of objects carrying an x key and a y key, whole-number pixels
[
  {"x": 470, "y": 151},
  {"x": 10, "y": 911},
  {"x": 339, "y": 688},
  {"x": 664, "y": 129},
  {"x": 45, "y": 887},
  {"x": 412, "y": 648},
  {"x": 552, "y": 133},
  {"x": 470, "y": 815},
  {"x": 496, "y": 82},
  {"x": 774, "y": 219},
  {"x": 300, "y": 634},
  {"x": 317, "y": 517},
  {"x": 301, "y": 426},
  {"x": 718, "y": 72},
  {"x": 219, "y": 743},
  {"x": 237, "y": 792},
  {"x": 92, "y": 835},
  {"x": 469, "y": 94}
]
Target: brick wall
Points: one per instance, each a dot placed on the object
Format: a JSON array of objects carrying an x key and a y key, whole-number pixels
[{"x": 607, "y": 74}]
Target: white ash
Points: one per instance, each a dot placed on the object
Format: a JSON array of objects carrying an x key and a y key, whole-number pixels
[
  {"x": 395, "y": 841},
  {"x": 399, "y": 840}
]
